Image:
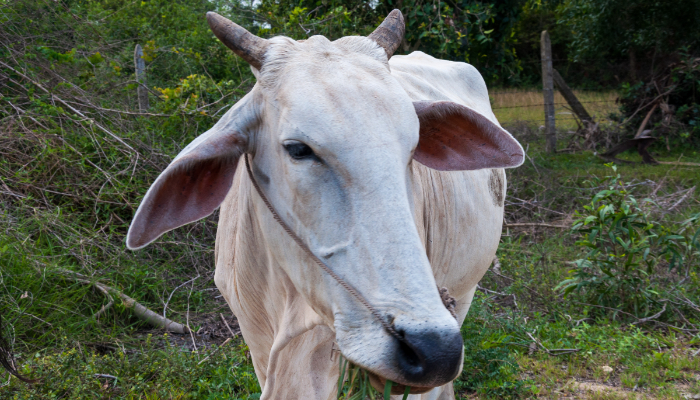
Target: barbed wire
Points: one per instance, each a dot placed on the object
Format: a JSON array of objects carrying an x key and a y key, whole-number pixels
[
  {"x": 539, "y": 91},
  {"x": 556, "y": 104},
  {"x": 537, "y": 120}
]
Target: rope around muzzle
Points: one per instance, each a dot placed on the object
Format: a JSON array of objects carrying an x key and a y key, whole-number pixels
[{"x": 448, "y": 301}]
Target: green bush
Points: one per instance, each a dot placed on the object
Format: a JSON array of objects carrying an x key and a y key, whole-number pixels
[{"x": 624, "y": 249}]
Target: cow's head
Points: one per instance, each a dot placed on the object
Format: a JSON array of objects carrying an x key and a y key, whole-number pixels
[{"x": 331, "y": 136}]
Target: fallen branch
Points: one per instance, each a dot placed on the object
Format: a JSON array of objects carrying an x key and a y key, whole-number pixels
[
  {"x": 640, "y": 143},
  {"x": 496, "y": 265},
  {"x": 689, "y": 192},
  {"x": 687, "y": 164},
  {"x": 653, "y": 317},
  {"x": 104, "y": 307},
  {"x": 165, "y": 305},
  {"x": 215, "y": 351},
  {"x": 640, "y": 131},
  {"x": 7, "y": 359},
  {"x": 640, "y": 320},
  {"x": 107, "y": 376},
  {"x": 672, "y": 87},
  {"x": 551, "y": 352},
  {"x": 227, "y": 326},
  {"x": 138, "y": 309},
  {"x": 498, "y": 294}
]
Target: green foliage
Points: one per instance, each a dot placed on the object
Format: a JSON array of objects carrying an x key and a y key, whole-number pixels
[
  {"x": 68, "y": 190},
  {"x": 624, "y": 249},
  {"x": 354, "y": 383},
  {"x": 620, "y": 28},
  {"x": 50, "y": 54},
  {"x": 682, "y": 81},
  {"x": 475, "y": 32},
  {"x": 490, "y": 368},
  {"x": 302, "y": 19},
  {"x": 157, "y": 370}
]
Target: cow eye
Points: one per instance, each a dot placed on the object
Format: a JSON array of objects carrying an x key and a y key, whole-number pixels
[{"x": 299, "y": 151}]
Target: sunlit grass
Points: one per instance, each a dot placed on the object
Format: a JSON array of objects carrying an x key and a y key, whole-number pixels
[{"x": 512, "y": 105}]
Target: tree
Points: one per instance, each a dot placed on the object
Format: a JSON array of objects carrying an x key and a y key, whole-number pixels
[
  {"x": 458, "y": 30},
  {"x": 619, "y": 29}
]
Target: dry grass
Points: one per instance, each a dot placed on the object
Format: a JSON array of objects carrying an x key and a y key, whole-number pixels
[{"x": 511, "y": 105}]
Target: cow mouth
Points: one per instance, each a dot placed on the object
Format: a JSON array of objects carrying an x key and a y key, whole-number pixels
[{"x": 396, "y": 388}]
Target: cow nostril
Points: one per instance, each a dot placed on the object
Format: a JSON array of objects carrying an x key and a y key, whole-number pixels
[{"x": 408, "y": 355}]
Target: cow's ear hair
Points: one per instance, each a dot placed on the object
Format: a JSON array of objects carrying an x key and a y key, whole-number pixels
[
  {"x": 195, "y": 183},
  {"x": 456, "y": 138}
]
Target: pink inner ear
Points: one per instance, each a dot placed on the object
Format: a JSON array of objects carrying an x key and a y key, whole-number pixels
[
  {"x": 190, "y": 188},
  {"x": 454, "y": 137}
]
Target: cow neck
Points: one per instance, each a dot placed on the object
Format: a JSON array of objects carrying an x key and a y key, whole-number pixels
[{"x": 447, "y": 300}]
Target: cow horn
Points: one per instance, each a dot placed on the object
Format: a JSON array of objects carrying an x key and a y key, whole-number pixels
[
  {"x": 390, "y": 33},
  {"x": 250, "y": 47}
]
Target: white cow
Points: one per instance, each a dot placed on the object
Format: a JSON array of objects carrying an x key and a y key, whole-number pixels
[{"x": 389, "y": 172}]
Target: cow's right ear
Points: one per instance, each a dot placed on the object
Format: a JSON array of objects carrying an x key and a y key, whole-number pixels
[{"x": 198, "y": 179}]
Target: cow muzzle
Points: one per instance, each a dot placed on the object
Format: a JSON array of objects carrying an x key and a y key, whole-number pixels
[{"x": 425, "y": 356}]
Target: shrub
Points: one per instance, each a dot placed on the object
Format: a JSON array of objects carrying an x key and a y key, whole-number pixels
[{"x": 624, "y": 249}]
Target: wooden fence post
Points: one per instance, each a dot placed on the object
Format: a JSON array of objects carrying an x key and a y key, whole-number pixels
[
  {"x": 142, "y": 89},
  {"x": 548, "y": 89},
  {"x": 571, "y": 98}
]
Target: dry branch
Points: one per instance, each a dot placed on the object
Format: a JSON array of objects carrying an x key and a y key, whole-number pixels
[
  {"x": 651, "y": 318},
  {"x": 515, "y": 302},
  {"x": 227, "y": 326},
  {"x": 640, "y": 320},
  {"x": 215, "y": 351},
  {"x": 684, "y": 164},
  {"x": 551, "y": 352},
  {"x": 640, "y": 131},
  {"x": 672, "y": 87},
  {"x": 641, "y": 143},
  {"x": 102, "y": 128},
  {"x": 142, "y": 312},
  {"x": 496, "y": 265},
  {"x": 7, "y": 359},
  {"x": 689, "y": 192}
]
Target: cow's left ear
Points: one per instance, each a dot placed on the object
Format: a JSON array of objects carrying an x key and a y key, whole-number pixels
[{"x": 456, "y": 138}]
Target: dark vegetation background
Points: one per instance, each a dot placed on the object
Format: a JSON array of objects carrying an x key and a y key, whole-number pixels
[{"x": 77, "y": 155}]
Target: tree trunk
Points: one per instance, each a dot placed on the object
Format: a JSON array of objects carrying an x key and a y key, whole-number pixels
[{"x": 633, "y": 64}]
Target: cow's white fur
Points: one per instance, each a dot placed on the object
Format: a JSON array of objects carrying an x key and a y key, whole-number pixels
[{"x": 389, "y": 226}]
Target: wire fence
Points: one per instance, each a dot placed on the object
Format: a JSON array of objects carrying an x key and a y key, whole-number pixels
[
  {"x": 518, "y": 106},
  {"x": 555, "y": 104}
]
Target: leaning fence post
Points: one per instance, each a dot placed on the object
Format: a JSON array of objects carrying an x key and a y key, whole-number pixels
[
  {"x": 571, "y": 98},
  {"x": 141, "y": 90},
  {"x": 548, "y": 89}
]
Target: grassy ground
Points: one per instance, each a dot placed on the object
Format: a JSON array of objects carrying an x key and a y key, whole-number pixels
[
  {"x": 613, "y": 358},
  {"x": 76, "y": 157},
  {"x": 60, "y": 213}
]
